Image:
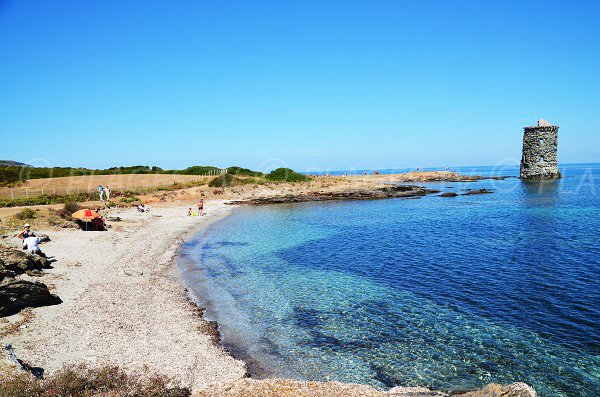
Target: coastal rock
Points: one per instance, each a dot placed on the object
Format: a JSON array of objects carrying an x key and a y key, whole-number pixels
[
  {"x": 19, "y": 261},
  {"x": 449, "y": 194},
  {"x": 443, "y": 176},
  {"x": 518, "y": 389},
  {"x": 16, "y": 295},
  {"x": 388, "y": 191},
  {"x": 474, "y": 192},
  {"x": 289, "y": 387}
]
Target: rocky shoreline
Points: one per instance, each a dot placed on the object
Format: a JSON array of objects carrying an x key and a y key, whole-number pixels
[{"x": 388, "y": 191}]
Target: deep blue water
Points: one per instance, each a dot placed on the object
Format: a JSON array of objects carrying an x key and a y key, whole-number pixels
[{"x": 449, "y": 293}]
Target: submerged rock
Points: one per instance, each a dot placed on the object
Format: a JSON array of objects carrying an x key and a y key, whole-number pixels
[
  {"x": 16, "y": 295},
  {"x": 518, "y": 389}
]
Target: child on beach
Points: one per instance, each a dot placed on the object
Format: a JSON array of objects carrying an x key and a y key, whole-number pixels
[
  {"x": 107, "y": 192},
  {"x": 201, "y": 207},
  {"x": 101, "y": 192}
]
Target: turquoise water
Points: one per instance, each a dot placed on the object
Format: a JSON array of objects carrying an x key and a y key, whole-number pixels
[{"x": 445, "y": 293}]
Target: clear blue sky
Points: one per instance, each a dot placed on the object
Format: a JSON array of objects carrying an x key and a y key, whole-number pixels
[{"x": 311, "y": 84}]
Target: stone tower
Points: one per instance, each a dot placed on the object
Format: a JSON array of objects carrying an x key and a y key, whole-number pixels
[{"x": 540, "y": 144}]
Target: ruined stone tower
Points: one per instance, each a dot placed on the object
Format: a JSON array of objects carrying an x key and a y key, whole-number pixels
[{"x": 540, "y": 144}]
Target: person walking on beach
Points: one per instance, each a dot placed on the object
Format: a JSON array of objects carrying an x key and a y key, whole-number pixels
[
  {"x": 201, "y": 207},
  {"x": 101, "y": 192},
  {"x": 107, "y": 192}
]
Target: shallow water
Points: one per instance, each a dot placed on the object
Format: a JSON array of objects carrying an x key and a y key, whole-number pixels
[{"x": 448, "y": 293}]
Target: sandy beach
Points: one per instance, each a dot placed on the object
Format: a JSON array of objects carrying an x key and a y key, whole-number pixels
[{"x": 124, "y": 302}]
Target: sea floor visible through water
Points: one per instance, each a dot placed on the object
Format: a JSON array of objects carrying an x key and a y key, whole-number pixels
[{"x": 447, "y": 293}]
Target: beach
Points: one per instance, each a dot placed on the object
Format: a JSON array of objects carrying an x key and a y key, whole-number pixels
[{"x": 124, "y": 302}]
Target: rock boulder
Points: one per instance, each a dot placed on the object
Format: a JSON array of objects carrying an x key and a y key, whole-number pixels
[{"x": 16, "y": 295}]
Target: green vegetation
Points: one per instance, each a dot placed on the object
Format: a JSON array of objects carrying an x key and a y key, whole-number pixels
[
  {"x": 71, "y": 207},
  {"x": 12, "y": 174},
  {"x": 26, "y": 213},
  {"x": 225, "y": 180},
  {"x": 9, "y": 176},
  {"x": 286, "y": 175},
  {"x": 84, "y": 382},
  {"x": 243, "y": 172},
  {"x": 45, "y": 199}
]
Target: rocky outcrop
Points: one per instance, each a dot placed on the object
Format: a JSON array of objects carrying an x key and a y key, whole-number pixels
[
  {"x": 18, "y": 261},
  {"x": 16, "y": 295},
  {"x": 449, "y": 194},
  {"x": 479, "y": 191},
  {"x": 443, "y": 176},
  {"x": 494, "y": 390},
  {"x": 288, "y": 387},
  {"x": 389, "y": 191}
]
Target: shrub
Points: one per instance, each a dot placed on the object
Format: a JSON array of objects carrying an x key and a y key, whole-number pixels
[
  {"x": 243, "y": 171},
  {"x": 286, "y": 175},
  {"x": 71, "y": 206},
  {"x": 26, "y": 213},
  {"x": 9, "y": 176},
  {"x": 80, "y": 381},
  {"x": 224, "y": 180}
]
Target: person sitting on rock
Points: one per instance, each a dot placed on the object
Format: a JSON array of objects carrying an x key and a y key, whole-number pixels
[
  {"x": 32, "y": 243},
  {"x": 25, "y": 233}
]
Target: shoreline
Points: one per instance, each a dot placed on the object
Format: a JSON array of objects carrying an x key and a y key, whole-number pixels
[{"x": 125, "y": 302}]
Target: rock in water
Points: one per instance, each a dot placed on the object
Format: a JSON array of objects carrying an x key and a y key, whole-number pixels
[
  {"x": 518, "y": 389},
  {"x": 16, "y": 295}
]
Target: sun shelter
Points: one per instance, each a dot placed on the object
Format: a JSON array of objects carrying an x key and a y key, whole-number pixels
[{"x": 87, "y": 216}]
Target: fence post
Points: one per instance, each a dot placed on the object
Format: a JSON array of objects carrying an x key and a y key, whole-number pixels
[
  {"x": 12, "y": 194},
  {"x": 54, "y": 190},
  {"x": 42, "y": 190}
]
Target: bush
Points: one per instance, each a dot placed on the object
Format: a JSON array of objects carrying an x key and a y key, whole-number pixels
[
  {"x": 9, "y": 176},
  {"x": 286, "y": 175},
  {"x": 84, "y": 382},
  {"x": 71, "y": 206},
  {"x": 243, "y": 171},
  {"x": 225, "y": 180},
  {"x": 26, "y": 213}
]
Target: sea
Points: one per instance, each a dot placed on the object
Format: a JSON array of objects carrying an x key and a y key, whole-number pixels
[{"x": 446, "y": 293}]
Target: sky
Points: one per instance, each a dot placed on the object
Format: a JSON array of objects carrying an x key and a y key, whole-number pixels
[{"x": 312, "y": 85}]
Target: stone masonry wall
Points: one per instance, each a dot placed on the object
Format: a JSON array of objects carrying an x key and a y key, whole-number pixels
[{"x": 540, "y": 146}]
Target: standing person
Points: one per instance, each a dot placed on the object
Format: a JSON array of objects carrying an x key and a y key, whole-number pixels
[
  {"x": 201, "y": 207},
  {"x": 101, "y": 192},
  {"x": 107, "y": 191},
  {"x": 25, "y": 234}
]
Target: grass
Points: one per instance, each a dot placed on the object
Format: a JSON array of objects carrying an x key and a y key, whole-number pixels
[{"x": 80, "y": 381}]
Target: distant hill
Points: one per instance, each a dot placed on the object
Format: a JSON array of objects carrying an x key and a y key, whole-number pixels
[{"x": 10, "y": 163}]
